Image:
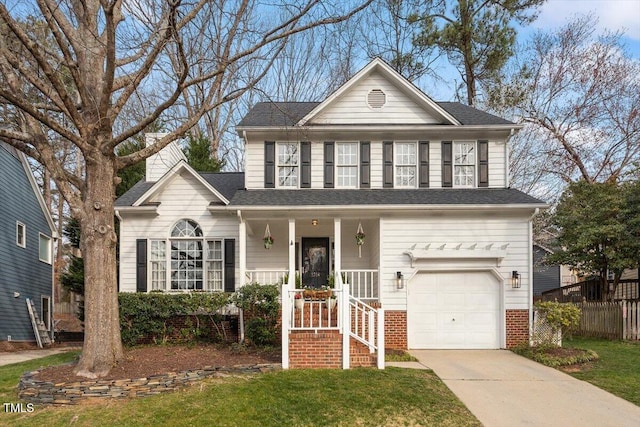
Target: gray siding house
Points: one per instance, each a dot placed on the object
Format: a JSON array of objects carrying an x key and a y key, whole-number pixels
[{"x": 26, "y": 249}]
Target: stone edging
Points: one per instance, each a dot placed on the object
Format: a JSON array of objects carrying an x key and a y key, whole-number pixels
[{"x": 47, "y": 392}]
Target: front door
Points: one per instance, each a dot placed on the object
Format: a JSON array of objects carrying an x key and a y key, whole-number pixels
[{"x": 315, "y": 261}]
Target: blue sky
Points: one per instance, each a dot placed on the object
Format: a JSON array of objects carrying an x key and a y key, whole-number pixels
[{"x": 612, "y": 15}]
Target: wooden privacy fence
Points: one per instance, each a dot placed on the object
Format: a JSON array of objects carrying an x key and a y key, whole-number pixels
[{"x": 611, "y": 320}]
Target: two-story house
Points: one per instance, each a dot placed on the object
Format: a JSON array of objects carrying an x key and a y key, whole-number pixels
[
  {"x": 26, "y": 249},
  {"x": 401, "y": 202}
]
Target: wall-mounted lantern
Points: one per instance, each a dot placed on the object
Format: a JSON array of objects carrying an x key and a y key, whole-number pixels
[
  {"x": 515, "y": 279},
  {"x": 399, "y": 280}
]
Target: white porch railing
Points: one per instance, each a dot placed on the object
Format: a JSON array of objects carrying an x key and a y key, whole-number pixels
[
  {"x": 363, "y": 284},
  {"x": 312, "y": 315},
  {"x": 265, "y": 276}
]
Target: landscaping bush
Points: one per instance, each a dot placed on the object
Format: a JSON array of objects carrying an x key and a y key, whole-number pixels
[
  {"x": 563, "y": 317},
  {"x": 159, "y": 317},
  {"x": 262, "y": 309}
]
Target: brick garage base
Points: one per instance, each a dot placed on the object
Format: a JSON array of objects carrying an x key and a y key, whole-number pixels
[
  {"x": 517, "y": 327},
  {"x": 315, "y": 350},
  {"x": 395, "y": 329}
]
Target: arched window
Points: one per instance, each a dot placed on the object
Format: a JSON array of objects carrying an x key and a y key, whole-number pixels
[
  {"x": 194, "y": 263},
  {"x": 186, "y": 228}
]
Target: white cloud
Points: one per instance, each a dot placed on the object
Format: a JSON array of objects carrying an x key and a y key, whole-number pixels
[{"x": 612, "y": 14}]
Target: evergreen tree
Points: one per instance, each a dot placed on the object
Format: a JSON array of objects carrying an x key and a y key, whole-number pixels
[
  {"x": 73, "y": 279},
  {"x": 198, "y": 152}
]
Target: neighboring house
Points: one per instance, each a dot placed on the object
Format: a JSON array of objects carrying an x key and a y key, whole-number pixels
[
  {"x": 26, "y": 252},
  {"x": 423, "y": 184},
  {"x": 545, "y": 276}
]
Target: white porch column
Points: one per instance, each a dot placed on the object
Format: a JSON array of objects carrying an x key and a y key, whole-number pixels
[
  {"x": 344, "y": 295},
  {"x": 242, "y": 248},
  {"x": 286, "y": 296}
]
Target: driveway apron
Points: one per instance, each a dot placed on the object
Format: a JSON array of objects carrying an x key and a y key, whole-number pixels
[{"x": 503, "y": 389}]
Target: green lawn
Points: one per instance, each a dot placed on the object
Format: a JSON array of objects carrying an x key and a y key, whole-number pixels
[
  {"x": 617, "y": 370},
  {"x": 294, "y": 398}
]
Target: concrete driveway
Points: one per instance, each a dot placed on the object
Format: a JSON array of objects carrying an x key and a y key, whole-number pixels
[{"x": 503, "y": 389}]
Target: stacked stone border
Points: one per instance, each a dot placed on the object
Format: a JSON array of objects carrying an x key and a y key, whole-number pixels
[{"x": 49, "y": 393}]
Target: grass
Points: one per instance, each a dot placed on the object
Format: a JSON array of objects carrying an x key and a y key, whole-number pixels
[
  {"x": 392, "y": 355},
  {"x": 617, "y": 370},
  {"x": 354, "y": 397}
]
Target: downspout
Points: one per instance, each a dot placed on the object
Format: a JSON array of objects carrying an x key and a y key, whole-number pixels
[
  {"x": 240, "y": 312},
  {"x": 530, "y": 257}
]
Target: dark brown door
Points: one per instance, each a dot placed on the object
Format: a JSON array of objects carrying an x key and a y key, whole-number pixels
[{"x": 315, "y": 261}]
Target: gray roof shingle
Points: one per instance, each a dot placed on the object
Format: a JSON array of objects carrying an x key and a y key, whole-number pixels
[
  {"x": 287, "y": 114},
  {"x": 426, "y": 196}
]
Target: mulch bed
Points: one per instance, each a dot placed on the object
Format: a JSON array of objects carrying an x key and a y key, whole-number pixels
[{"x": 142, "y": 362}]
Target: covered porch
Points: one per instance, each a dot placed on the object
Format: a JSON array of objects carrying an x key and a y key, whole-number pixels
[{"x": 330, "y": 284}]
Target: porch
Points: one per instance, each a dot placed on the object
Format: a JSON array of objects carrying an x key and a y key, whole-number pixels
[{"x": 340, "y": 323}]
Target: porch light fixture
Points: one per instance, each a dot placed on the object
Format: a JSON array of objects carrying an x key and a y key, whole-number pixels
[
  {"x": 314, "y": 222},
  {"x": 399, "y": 280},
  {"x": 515, "y": 279}
]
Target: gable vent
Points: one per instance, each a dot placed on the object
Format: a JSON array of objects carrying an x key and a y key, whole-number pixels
[{"x": 376, "y": 98}]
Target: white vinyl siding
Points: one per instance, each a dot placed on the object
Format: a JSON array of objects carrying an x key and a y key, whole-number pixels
[
  {"x": 347, "y": 164},
  {"x": 288, "y": 164},
  {"x": 464, "y": 229},
  {"x": 464, "y": 163},
  {"x": 405, "y": 164},
  {"x": 183, "y": 197},
  {"x": 44, "y": 248},
  {"x": 352, "y": 107}
]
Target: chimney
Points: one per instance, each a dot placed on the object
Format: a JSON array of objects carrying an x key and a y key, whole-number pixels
[{"x": 159, "y": 164}]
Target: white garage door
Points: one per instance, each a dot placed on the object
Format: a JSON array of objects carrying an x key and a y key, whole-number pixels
[{"x": 453, "y": 311}]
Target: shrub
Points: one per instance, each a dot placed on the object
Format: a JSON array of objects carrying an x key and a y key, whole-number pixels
[
  {"x": 260, "y": 305},
  {"x": 560, "y": 316},
  {"x": 150, "y": 316}
]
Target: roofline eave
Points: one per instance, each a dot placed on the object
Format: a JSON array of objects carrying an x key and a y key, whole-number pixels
[
  {"x": 382, "y": 207},
  {"x": 376, "y": 128}
]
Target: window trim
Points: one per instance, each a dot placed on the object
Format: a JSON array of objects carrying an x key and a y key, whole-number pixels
[
  {"x": 47, "y": 319},
  {"x": 339, "y": 166},
  {"x": 474, "y": 165},
  {"x": 49, "y": 248},
  {"x": 21, "y": 242},
  {"x": 278, "y": 165},
  {"x": 396, "y": 164}
]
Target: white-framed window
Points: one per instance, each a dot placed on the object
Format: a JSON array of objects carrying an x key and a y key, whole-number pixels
[
  {"x": 21, "y": 234},
  {"x": 405, "y": 164},
  {"x": 158, "y": 264},
  {"x": 45, "y": 311},
  {"x": 214, "y": 265},
  {"x": 193, "y": 262},
  {"x": 464, "y": 163},
  {"x": 288, "y": 164},
  {"x": 347, "y": 164},
  {"x": 44, "y": 248}
]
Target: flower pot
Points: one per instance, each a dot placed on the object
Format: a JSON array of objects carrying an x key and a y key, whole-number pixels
[
  {"x": 299, "y": 303},
  {"x": 331, "y": 303}
]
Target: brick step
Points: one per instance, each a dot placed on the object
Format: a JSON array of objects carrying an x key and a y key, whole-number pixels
[{"x": 363, "y": 361}]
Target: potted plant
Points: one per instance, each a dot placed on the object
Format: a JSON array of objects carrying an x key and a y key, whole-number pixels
[
  {"x": 298, "y": 301},
  {"x": 332, "y": 301},
  {"x": 268, "y": 242}
]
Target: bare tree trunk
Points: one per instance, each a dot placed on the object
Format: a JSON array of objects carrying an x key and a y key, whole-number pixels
[{"x": 102, "y": 344}]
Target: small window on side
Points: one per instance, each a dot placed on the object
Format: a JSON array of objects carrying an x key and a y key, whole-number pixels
[
  {"x": 44, "y": 249},
  {"x": 21, "y": 235}
]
